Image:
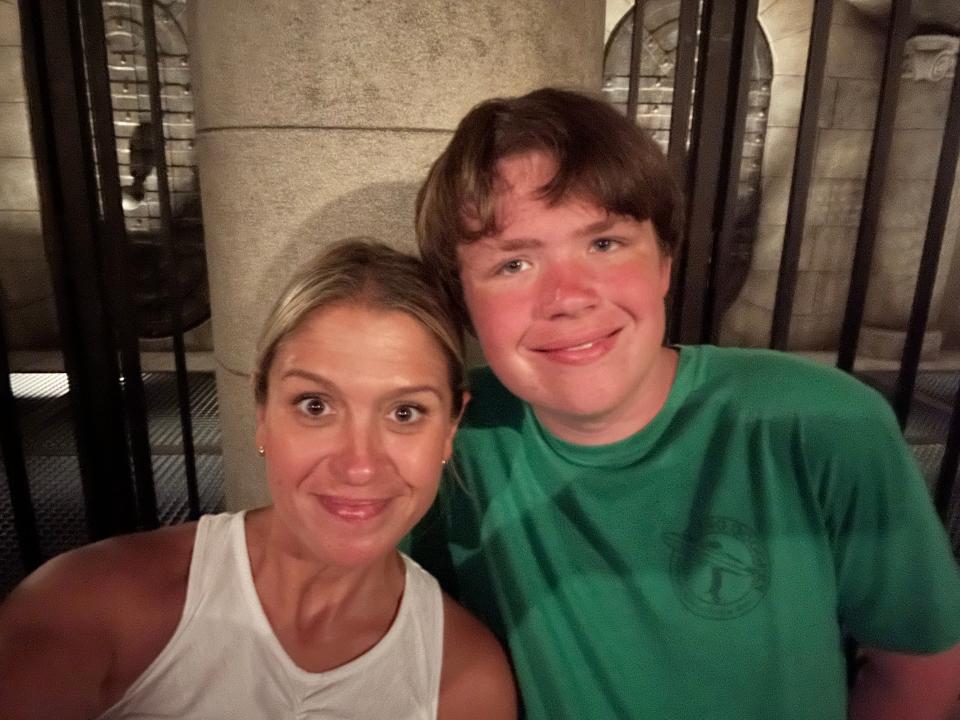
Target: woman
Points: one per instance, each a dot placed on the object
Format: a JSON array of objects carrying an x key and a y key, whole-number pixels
[{"x": 304, "y": 608}]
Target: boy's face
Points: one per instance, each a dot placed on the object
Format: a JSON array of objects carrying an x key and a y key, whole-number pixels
[{"x": 568, "y": 304}]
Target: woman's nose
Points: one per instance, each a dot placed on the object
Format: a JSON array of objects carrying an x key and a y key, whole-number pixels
[{"x": 359, "y": 454}]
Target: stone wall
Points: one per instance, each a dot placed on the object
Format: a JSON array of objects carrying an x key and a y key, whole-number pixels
[
  {"x": 845, "y": 132},
  {"x": 26, "y": 295}
]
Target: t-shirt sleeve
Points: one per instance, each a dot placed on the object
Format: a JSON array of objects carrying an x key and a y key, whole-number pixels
[{"x": 898, "y": 582}]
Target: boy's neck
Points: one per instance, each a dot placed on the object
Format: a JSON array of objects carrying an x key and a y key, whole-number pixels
[{"x": 619, "y": 423}]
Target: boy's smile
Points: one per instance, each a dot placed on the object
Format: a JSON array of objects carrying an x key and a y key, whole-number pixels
[{"x": 567, "y": 302}]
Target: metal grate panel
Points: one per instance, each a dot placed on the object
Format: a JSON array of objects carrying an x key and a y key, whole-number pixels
[{"x": 54, "y": 474}]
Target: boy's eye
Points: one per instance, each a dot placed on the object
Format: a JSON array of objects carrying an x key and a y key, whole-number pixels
[
  {"x": 312, "y": 406},
  {"x": 406, "y": 414},
  {"x": 605, "y": 244},
  {"x": 512, "y": 267}
]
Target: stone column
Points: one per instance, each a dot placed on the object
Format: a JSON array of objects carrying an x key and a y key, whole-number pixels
[
  {"x": 318, "y": 120},
  {"x": 929, "y": 65}
]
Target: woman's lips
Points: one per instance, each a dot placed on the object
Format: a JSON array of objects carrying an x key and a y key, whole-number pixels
[{"x": 353, "y": 510}]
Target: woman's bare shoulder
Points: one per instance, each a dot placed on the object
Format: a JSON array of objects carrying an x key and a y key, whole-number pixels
[
  {"x": 476, "y": 680},
  {"x": 90, "y": 620}
]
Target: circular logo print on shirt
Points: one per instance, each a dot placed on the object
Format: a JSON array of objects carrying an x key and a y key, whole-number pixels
[{"x": 720, "y": 569}]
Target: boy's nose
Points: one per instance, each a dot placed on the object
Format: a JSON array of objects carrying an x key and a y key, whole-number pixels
[{"x": 566, "y": 289}]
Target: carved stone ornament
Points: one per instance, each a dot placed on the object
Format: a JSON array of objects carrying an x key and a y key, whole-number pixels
[{"x": 930, "y": 57}]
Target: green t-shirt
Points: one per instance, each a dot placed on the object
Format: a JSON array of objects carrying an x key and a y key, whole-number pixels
[{"x": 703, "y": 567}]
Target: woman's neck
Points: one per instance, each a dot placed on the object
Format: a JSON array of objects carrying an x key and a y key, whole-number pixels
[{"x": 324, "y": 615}]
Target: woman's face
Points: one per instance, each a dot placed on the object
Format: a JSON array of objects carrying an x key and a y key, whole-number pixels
[{"x": 355, "y": 427}]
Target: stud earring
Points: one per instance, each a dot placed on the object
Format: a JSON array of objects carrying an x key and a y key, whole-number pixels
[{"x": 260, "y": 451}]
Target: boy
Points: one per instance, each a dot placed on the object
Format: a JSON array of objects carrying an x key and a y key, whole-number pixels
[{"x": 662, "y": 532}]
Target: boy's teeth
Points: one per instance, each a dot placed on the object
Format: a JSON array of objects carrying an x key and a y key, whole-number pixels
[{"x": 584, "y": 346}]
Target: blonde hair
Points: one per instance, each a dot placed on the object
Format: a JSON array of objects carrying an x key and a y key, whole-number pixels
[{"x": 365, "y": 272}]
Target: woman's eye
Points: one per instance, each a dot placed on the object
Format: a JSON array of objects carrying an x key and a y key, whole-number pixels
[
  {"x": 512, "y": 267},
  {"x": 406, "y": 414},
  {"x": 312, "y": 406},
  {"x": 605, "y": 244}
]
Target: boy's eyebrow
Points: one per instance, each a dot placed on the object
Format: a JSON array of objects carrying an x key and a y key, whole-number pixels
[
  {"x": 514, "y": 244},
  {"x": 598, "y": 227}
]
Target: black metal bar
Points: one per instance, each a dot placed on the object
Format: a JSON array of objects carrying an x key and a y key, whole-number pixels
[
  {"x": 708, "y": 136},
  {"x": 53, "y": 70},
  {"x": 742, "y": 48},
  {"x": 170, "y": 255},
  {"x": 685, "y": 157},
  {"x": 897, "y": 33},
  {"x": 636, "y": 54},
  {"x": 116, "y": 260},
  {"x": 15, "y": 465},
  {"x": 947, "y": 479},
  {"x": 684, "y": 70},
  {"x": 930, "y": 257},
  {"x": 802, "y": 171}
]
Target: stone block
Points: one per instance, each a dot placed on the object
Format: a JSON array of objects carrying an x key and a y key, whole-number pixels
[
  {"x": 842, "y": 154},
  {"x": 947, "y": 317},
  {"x": 18, "y": 184},
  {"x": 906, "y": 203},
  {"x": 790, "y": 54},
  {"x": 9, "y": 24},
  {"x": 855, "y": 107},
  {"x": 245, "y": 483},
  {"x": 886, "y": 344},
  {"x": 615, "y": 10},
  {"x": 810, "y": 332},
  {"x": 779, "y": 151},
  {"x": 786, "y": 18},
  {"x": 889, "y": 298},
  {"x": 833, "y": 248},
  {"x": 942, "y": 298},
  {"x": 765, "y": 5},
  {"x": 854, "y": 51},
  {"x": 786, "y": 96},
  {"x": 805, "y": 297},
  {"x": 835, "y": 202},
  {"x": 21, "y": 235},
  {"x": 914, "y": 154},
  {"x": 760, "y": 288},
  {"x": 844, "y": 13},
  {"x": 340, "y": 68},
  {"x": 15, "y": 130},
  {"x": 898, "y": 250},
  {"x": 11, "y": 75},
  {"x": 767, "y": 247},
  {"x": 922, "y": 105},
  {"x": 832, "y": 289},
  {"x": 776, "y": 194},
  {"x": 746, "y": 325},
  {"x": 828, "y": 102}
]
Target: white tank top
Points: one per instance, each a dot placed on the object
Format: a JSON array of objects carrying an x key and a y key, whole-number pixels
[{"x": 224, "y": 661}]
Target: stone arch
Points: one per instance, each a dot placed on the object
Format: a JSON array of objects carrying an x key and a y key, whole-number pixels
[{"x": 657, "y": 70}]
